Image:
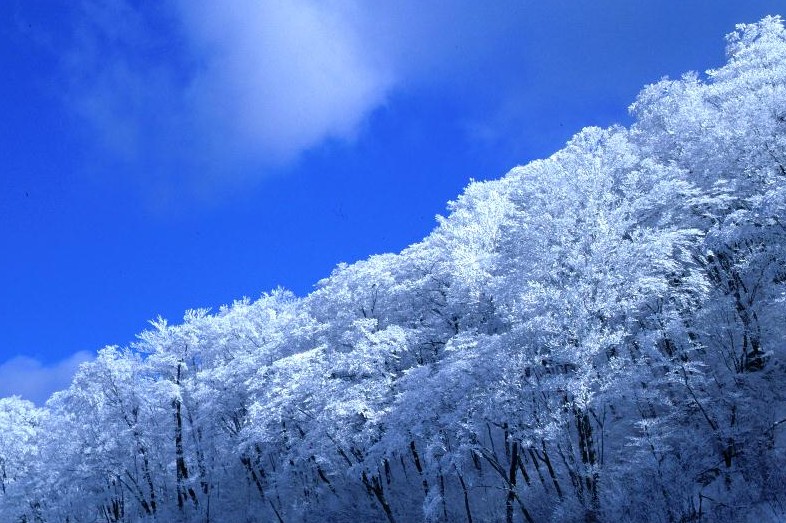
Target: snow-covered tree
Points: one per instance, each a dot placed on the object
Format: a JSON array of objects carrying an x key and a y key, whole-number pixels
[{"x": 597, "y": 336}]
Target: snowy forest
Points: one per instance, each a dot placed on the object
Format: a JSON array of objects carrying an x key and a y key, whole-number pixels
[{"x": 599, "y": 336}]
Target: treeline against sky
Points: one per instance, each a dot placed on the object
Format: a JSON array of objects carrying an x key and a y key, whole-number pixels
[{"x": 598, "y": 336}]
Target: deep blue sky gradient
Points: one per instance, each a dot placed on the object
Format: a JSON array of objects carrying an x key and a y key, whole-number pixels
[{"x": 92, "y": 248}]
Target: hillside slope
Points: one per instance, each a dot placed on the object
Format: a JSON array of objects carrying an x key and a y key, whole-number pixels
[{"x": 597, "y": 336}]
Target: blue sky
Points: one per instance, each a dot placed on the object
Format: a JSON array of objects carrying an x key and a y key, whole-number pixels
[{"x": 157, "y": 156}]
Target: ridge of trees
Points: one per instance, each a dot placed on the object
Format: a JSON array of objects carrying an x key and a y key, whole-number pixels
[{"x": 597, "y": 336}]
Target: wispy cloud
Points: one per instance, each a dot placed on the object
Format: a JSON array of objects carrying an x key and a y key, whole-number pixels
[
  {"x": 217, "y": 90},
  {"x": 31, "y": 379},
  {"x": 213, "y": 88},
  {"x": 278, "y": 77}
]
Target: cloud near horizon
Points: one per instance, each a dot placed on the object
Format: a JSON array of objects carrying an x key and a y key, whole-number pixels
[{"x": 32, "y": 380}]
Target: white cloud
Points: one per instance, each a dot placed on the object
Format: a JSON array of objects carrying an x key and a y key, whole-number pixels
[
  {"x": 278, "y": 76},
  {"x": 208, "y": 86},
  {"x": 31, "y": 379},
  {"x": 200, "y": 88}
]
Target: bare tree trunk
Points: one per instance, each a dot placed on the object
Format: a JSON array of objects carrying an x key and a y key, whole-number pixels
[
  {"x": 511, "y": 484},
  {"x": 466, "y": 494},
  {"x": 181, "y": 470},
  {"x": 418, "y": 466},
  {"x": 375, "y": 487}
]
